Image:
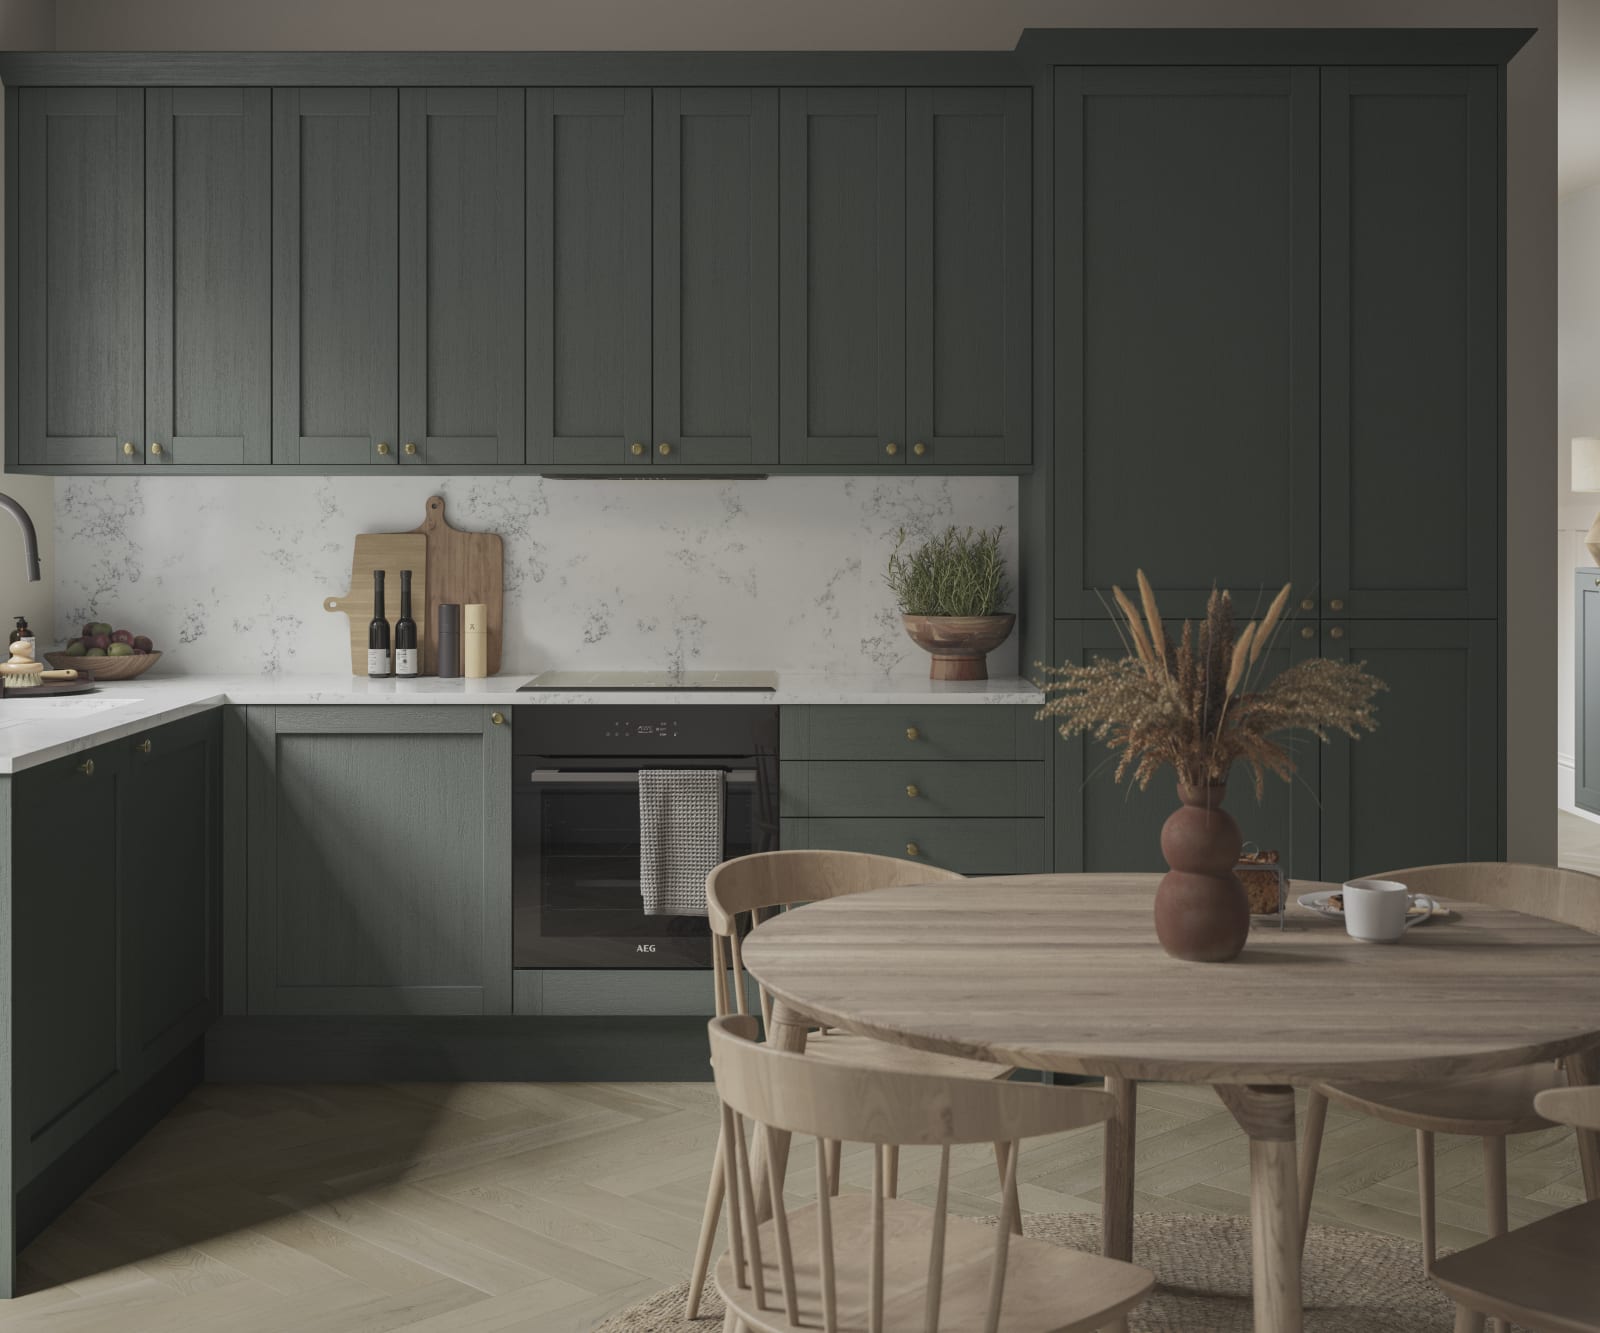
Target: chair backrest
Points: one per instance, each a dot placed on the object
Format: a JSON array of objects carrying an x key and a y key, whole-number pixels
[
  {"x": 779, "y": 1090},
  {"x": 1568, "y": 896},
  {"x": 743, "y": 892},
  {"x": 1578, "y": 1107}
]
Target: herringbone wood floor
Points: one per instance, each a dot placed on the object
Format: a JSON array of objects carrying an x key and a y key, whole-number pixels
[{"x": 476, "y": 1207}]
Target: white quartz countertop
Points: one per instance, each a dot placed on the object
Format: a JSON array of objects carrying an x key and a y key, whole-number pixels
[{"x": 35, "y": 731}]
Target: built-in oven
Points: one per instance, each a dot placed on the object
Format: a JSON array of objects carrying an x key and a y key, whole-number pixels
[{"x": 576, "y": 893}]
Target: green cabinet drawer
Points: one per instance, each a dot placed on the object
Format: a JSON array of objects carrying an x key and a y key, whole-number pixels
[
  {"x": 968, "y": 846},
  {"x": 915, "y": 788},
  {"x": 911, "y": 732}
]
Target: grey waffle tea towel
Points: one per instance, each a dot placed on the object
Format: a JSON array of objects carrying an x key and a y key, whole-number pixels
[{"x": 680, "y": 838}]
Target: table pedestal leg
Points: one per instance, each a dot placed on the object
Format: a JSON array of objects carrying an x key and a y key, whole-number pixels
[
  {"x": 1116, "y": 1202},
  {"x": 1266, "y": 1114},
  {"x": 1583, "y": 1070},
  {"x": 786, "y": 1032}
]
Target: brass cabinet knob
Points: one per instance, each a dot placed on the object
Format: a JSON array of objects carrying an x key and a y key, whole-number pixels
[
  {"x": 919, "y": 448},
  {"x": 663, "y": 448},
  {"x": 891, "y": 448},
  {"x": 913, "y": 734},
  {"x": 913, "y": 850},
  {"x": 411, "y": 449},
  {"x": 499, "y": 719},
  {"x": 128, "y": 449},
  {"x": 87, "y": 768},
  {"x": 913, "y": 791},
  {"x": 1337, "y": 632},
  {"x": 143, "y": 747},
  {"x": 156, "y": 449},
  {"x": 636, "y": 449},
  {"x": 1306, "y": 632},
  {"x": 1306, "y": 604},
  {"x": 383, "y": 448},
  {"x": 1337, "y": 604}
]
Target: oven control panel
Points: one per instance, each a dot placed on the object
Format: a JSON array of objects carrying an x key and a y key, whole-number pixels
[
  {"x": 594, "y": 731},
  {"x": 662, "y": 729}
]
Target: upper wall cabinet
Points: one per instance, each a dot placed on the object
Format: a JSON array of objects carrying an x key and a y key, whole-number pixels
[
  {"x": 335, "y": 281},
  {"x": 1410, "y": 341},
  {"x": 906, "y": 234},
  {"x": 78, "y": 320},
  {"x": 1186, "y": 332}
]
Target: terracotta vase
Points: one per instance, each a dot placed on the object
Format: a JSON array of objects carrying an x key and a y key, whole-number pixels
[{"x": 1202, "y": 911}]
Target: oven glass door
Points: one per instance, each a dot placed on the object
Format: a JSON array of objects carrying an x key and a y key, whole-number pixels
[{"x": 576, "y": 887}]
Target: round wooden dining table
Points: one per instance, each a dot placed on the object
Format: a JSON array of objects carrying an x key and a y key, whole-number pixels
[{"x": 1063, "y": 973}]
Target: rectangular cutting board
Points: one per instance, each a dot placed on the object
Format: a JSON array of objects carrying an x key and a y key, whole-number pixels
[
  {"x": 463, "y": 567},
  {"x": 390, "y": 552}
]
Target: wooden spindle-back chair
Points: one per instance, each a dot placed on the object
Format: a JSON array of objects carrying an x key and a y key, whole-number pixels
[{"x": 879, "y": 1263}]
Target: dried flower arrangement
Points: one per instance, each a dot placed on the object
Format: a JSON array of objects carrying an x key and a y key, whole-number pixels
[{"x": 1200, "y": 704}]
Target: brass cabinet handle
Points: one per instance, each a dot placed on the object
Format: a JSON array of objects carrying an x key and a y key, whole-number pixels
[
  {"x": 636, "y": 449},
  {"x": 411, "y": 449},
  {"x": 912, "y": 790},
  {"x": 155, "y": 448},
  {"x": 919, "y": 448},
  {"x": 664, "y": 448},
  {"x": 499, "y": 719},
  {"x": 912, "y": 734},
  {"x": 913, "y": 850},
  {"x": 128, "y": 449},
  {"x": 87, "y": 768},
  {"x": 1337, "y": 632},
  {"x": 1306, "y": 604},
  {"x": 891, "y": 448},
  {"x": 143, "y": 747},
  {"x": 1306, "y": 632},
  {"x": 1337, "y": 604},
  {"x": 383, "y": 448}
]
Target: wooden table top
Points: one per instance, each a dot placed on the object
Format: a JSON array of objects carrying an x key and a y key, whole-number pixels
[{"x": 1064, "y": 973}]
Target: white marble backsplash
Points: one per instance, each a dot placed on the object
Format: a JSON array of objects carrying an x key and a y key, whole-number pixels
[{"x": 227, "y": 574}]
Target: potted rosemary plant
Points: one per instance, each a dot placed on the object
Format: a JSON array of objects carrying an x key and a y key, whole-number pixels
[
  {"x": 1201, "y": 705},
  {"x": 952, "y": 592}
]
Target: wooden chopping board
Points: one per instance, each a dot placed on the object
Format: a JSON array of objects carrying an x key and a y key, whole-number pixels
[
  {"x": 390, "y": 552},
  {"x": 462, "y": 567}
]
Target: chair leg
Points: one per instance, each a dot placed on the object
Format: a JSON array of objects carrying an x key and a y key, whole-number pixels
[
  {"x": 1468, "y": 1321},
  {"x": 1002, "y": 1154},
  {"x": 835, "y": 1152},
  {"x": 1494, "y": 1187},
  {"x": 1430, "y": 1230},
  {"x": 708, "y": 1233},
  {"x": 891, "y": 1170},
  {"x": 1310, "y": 1150}
]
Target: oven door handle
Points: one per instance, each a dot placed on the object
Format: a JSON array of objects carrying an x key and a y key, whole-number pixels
[{"x": 547, "y": 776}]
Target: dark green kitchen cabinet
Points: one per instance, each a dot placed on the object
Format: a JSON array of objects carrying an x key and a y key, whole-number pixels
[
  {"x": 208, "y": 277},
  {"x": 77, "y": 265},
  {"x": 715, "y": 276},
  {"x": 1411, "y": 357},
  {"x": 335, "y": 309},
  {"x": 1586, "y": 678},
  {"x": 1424, "y": 787},
  {"x": 588, "y": 277},
  {"x": 1103, "y": 825},
  {"x": 461, "y": 276},
  {"x": 379, "y": 861},
  {"x": 1186, "y": 333}
]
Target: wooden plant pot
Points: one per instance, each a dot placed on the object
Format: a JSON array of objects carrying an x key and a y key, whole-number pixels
[{"x": 960, "y": 644}]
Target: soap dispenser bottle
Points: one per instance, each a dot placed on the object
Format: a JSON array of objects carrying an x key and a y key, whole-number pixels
[{"x": 22, "y": 631}]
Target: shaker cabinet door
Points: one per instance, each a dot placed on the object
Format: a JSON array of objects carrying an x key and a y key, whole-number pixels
[
  {"x": 1186, "y": 333},
  {"x": 335, "y": 304},
  {"x": 77, "y": 316},
  {"x": 843, "y": 304},
  {"x": 588, "y": 304},
  {"x": 208, "y": 277},
  {"x": 716, "y": 276},
  {"x": 969, "y": 263},
  {"x": 1411, "y": 360},
  {"x": 461, "y": 288}
]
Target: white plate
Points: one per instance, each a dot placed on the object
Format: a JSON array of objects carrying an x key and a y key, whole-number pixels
[{"x": 1318, "y": 902}]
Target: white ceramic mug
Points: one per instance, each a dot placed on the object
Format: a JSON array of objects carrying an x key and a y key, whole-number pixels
[{"x": 1375, "y": 910}]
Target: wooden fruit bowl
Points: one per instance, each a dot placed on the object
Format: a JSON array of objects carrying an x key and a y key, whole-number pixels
[
  {"x": 959, "y": 644},
  {"x": 105, "y": 668}
]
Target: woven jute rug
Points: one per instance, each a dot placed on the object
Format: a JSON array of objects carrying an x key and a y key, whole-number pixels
[{"x": 1353, "y": 1282}]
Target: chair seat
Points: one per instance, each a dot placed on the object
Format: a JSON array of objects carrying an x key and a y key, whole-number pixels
[
  {"x": 1541, "y": 1276},
  {"x": 1049, "y": 1289},
  {"x": 845, "y": 1048},
  {"x": 1481, "y": 1104}
]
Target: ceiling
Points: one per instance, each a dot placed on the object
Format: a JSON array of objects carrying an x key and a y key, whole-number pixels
[{"x": 1578, "y": 83}]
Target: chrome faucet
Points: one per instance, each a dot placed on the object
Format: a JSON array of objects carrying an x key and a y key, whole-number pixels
[{"x": 30, "y": 539}]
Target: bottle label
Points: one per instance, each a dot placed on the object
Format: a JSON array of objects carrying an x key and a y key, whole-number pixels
[
  {"x": 377, "y": 662},
  {"x": 405, "y": 661}
]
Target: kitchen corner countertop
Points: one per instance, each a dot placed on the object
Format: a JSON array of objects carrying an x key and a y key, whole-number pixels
[{"x": 35, "y": 731}]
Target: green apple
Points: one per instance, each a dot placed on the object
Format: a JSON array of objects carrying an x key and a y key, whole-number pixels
[
  {"x": 120, "y": 650},
  {"x": 94, "y": 652}
]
